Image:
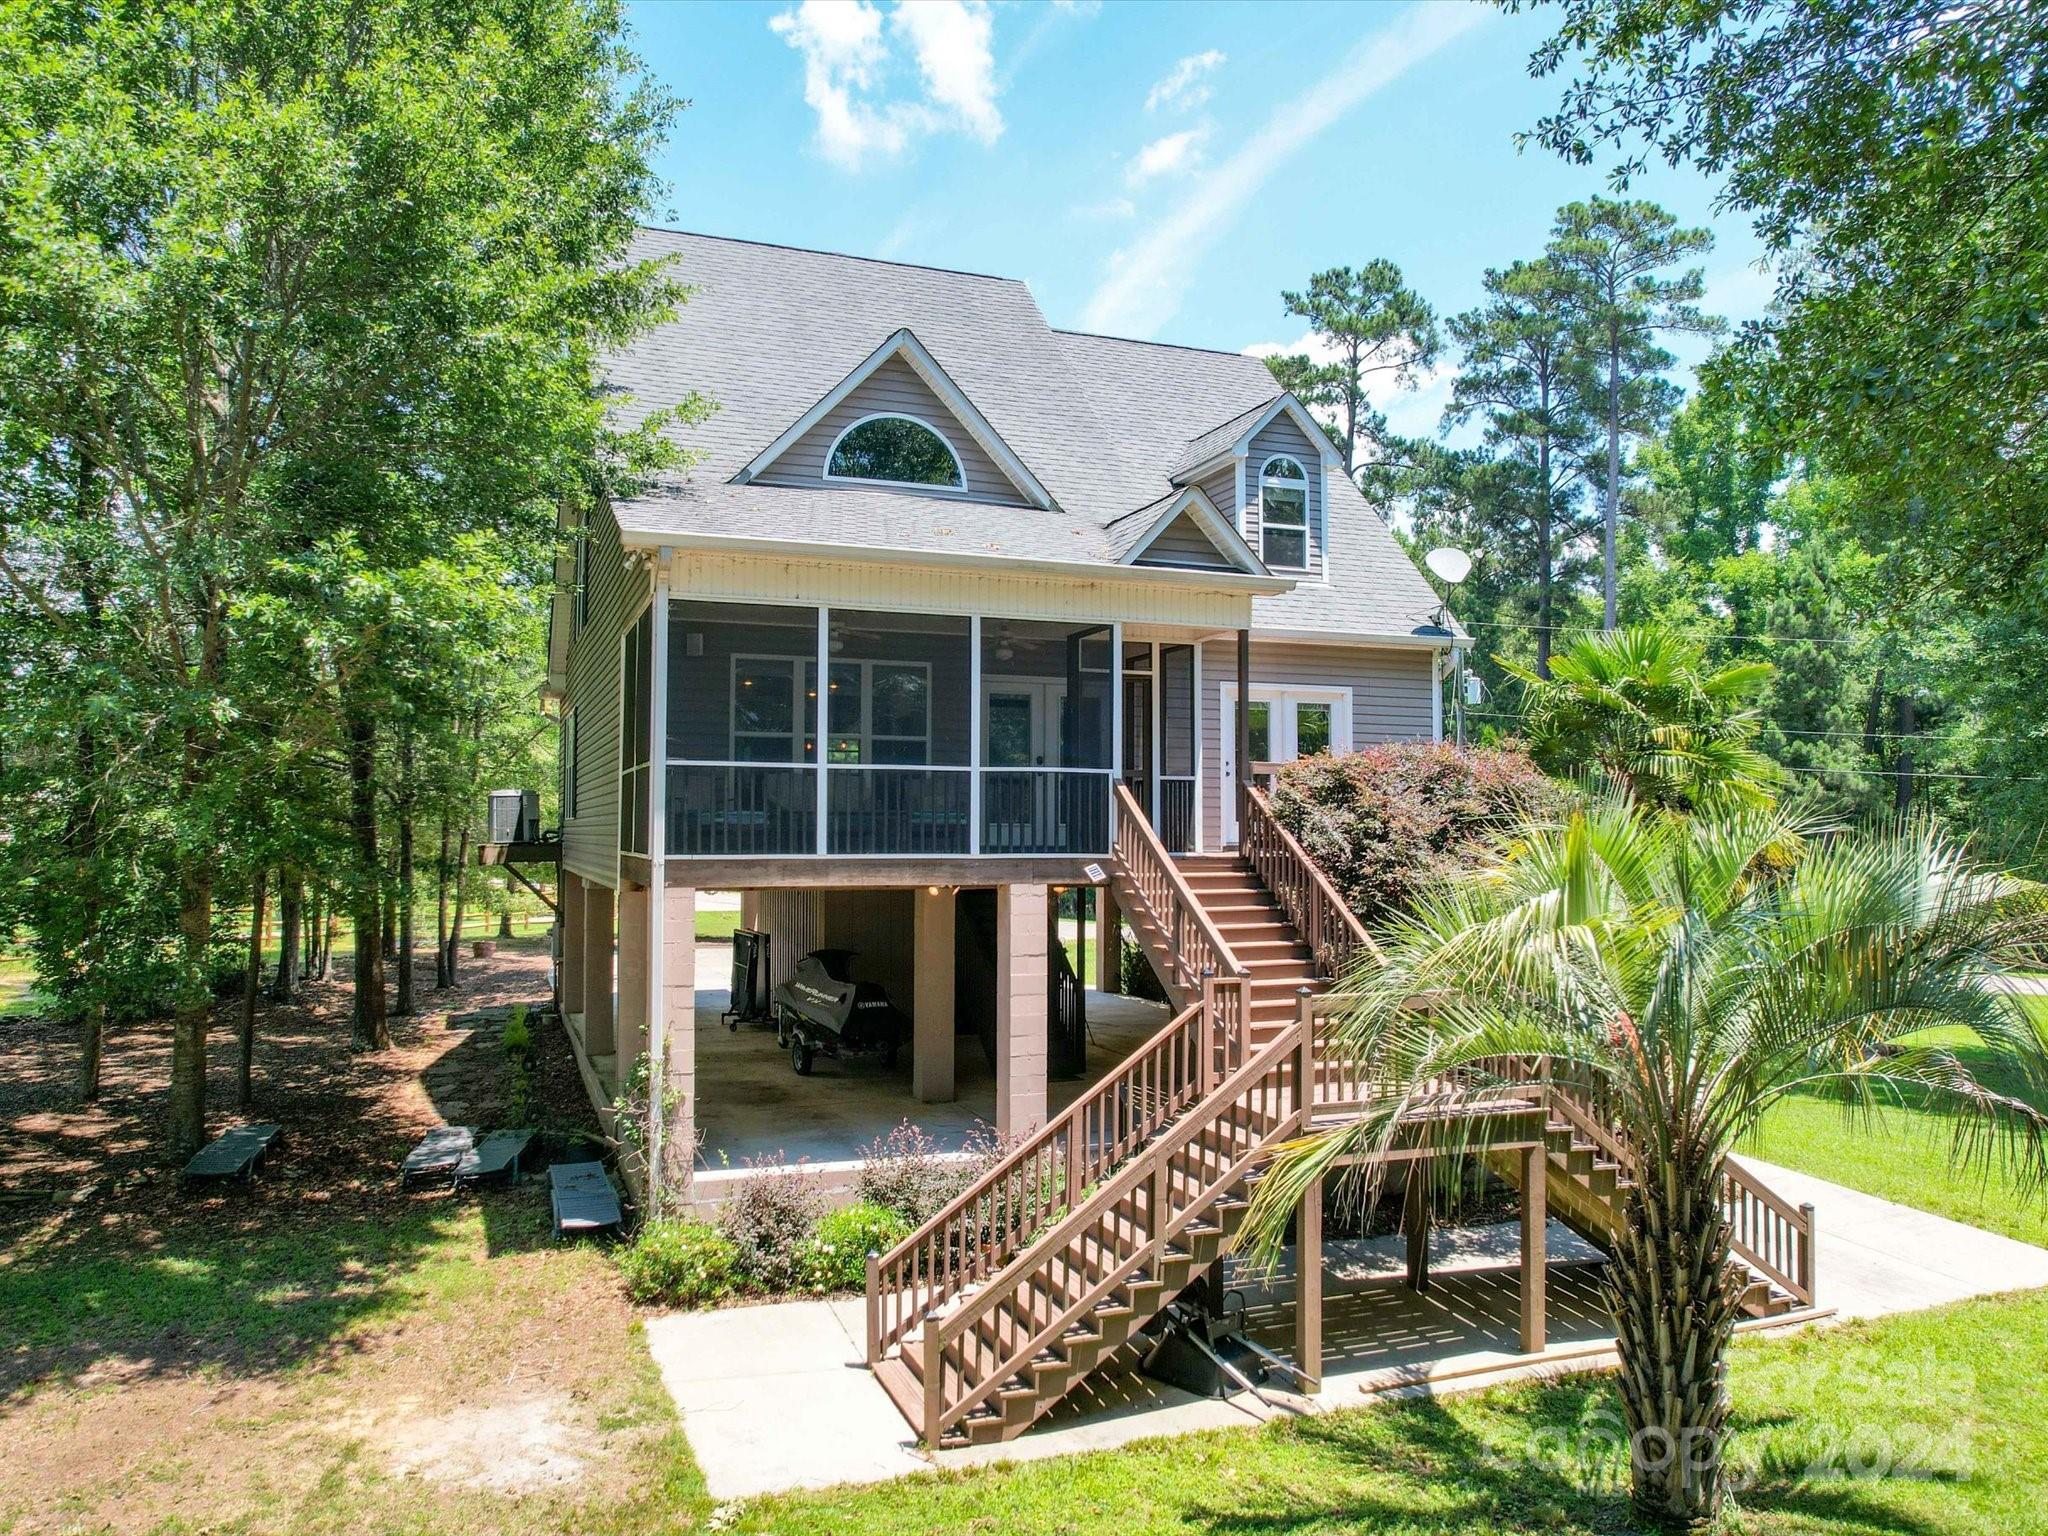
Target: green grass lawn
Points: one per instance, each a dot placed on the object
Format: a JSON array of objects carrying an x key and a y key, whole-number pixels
[
  {"x": 17, "y": 986},
  {"x": 1904, "y": 1153},
  {"x": 1952, "y": 1402}
]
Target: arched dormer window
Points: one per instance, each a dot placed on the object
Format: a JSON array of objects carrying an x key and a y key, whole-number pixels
[
  {"x": 1283, "y": 514},
  {"x": 895, "y": 450}
]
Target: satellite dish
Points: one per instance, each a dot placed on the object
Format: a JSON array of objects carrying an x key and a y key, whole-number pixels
[{"x": 1451, "y": 565}]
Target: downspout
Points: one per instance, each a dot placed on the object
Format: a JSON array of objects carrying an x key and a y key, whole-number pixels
[{"x": 657, "y": 883}]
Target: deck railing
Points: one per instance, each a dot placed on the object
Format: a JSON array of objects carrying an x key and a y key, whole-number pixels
[
  {"x": 1194, "y": 945},
  {"x": 1002, "y": 1211},
  {"x": 1326, "y": 923},
  {"x": 974, "y": 1350},
  {"x": 1765, "y": 1231}
]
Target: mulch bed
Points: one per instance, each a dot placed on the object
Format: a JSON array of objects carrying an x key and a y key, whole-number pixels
[{"x": 348, "y": 1116}]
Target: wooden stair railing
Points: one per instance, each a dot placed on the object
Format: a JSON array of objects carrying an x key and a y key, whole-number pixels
[
  {"x": 980, "y": 1229},
  {"x": 1189, "y": 946},
  {"x": 1326, "y": 923},
  {"x": 1011, "y": 1349},
  {"x": 1766, "y": 1232}
]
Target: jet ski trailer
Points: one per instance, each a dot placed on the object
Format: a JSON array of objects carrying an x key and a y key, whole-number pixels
[{"x": 822, "y": 1009}]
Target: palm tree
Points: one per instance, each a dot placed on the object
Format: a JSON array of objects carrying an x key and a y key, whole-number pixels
[
  {"x": 1692, "y": 972},
  {"x": 1641, "y": 707}
]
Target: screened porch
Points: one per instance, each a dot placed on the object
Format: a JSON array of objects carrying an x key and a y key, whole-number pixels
[{"x": 933, "y": 736}]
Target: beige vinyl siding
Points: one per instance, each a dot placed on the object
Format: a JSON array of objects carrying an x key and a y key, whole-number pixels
[
  {"x": 1183, "y": 543},
  {"x": 1221, "y": 488},
  {"x": 590, "y": 839},
  {"x": 894, "y": 388},
  {"x": 1281, "y": 435},
  {"x": 1092, "y": 593},
  {"x": 1390, "y": 698}
]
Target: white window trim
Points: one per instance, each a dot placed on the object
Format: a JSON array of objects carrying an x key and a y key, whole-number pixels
[
  {"x": 1307, "y": 516},
  {"x": 959, "y": 468},
  {"x": 1280, "y": 725},
  {"x": 865, "y": 730}
]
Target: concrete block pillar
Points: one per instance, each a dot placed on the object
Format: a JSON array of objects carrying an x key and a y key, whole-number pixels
[
  {"x": 636, "y": 977},
  {"x": 679, "y": 1029},
  {"x": 750, "y": 909},
  {"x": 931, "y": 1009},
  {"x": 569, "y": 899},
  {"x": 598, "y": 1036},
  {"x": 1109, "y": 942},
  {"x": 1021, "y": 981}
]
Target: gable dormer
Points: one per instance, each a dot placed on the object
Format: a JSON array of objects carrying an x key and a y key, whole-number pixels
[
  {"x": 1269, "y": 467},
  {"x": 1185, "y": 530},
  {"x": 898, "y": 422}
]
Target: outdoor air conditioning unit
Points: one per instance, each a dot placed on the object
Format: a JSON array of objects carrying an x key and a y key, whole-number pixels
[{"x": 515, "y": 815}]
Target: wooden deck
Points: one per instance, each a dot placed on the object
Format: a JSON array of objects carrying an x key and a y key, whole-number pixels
[{"x": 1041, "y": 1273}]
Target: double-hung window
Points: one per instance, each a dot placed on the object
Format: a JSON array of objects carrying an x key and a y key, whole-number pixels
[{"x": 1283, "y": 514}]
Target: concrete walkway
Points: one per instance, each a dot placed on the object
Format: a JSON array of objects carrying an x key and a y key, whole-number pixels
[{"x": 775, "y": 1398}]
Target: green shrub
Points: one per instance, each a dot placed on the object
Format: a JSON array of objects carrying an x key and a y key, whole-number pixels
[
  {"x": 1388, "y": 822},
  {"x": 681, "y": 1264},
  {"x": 836, "y": 1258}
]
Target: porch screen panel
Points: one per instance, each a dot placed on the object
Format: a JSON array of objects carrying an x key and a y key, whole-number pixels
[
  {"x": 1047, "y": 744},
  {"x": 636, "y": 703},
  {"x": 1176, "y": 816},
  {"x": 899, "y": 733},
  {"x": 742, "y": 729}
]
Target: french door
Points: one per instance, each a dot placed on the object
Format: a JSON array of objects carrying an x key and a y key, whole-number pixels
[{"x": 1286, "y": 723}]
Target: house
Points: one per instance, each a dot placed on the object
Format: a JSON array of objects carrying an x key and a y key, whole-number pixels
[
  {"x": 1034, "y": 567},
  {"x": 950, "y": 612}
]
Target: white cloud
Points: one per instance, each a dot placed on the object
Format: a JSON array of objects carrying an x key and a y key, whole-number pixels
[
  {"x": 847, "y": 63},
  {"x": 951, "y": 40},
  {"x": 1147, "y": 278},
  {"x": 1182, "y": 85},
  {"x": 1174, "y": 155}
]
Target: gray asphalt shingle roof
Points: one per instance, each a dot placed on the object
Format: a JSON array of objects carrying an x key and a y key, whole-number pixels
[{"x": 1102, "y": 422}]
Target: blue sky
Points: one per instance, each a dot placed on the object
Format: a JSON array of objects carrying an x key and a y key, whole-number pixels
[{"x": 1154, "y": 170}]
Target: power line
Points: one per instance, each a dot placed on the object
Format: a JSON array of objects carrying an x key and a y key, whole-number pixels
[
  {"x": 1926, "y": 737},
  {"x": 1715, "y": 639}
]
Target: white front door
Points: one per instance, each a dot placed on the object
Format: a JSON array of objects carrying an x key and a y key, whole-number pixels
[{"x": 1286, "y": 723}]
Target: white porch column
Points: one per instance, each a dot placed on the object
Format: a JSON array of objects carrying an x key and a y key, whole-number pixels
[
  {"x": 679, "y": 1035},
  {"x": 931, "y": 1011},
  {"x": 1021, "y": 980},
  {"x": 569, "y": 900},
  {"x": 636, "y": 941},
  {"x": 598, "y": 1038}
]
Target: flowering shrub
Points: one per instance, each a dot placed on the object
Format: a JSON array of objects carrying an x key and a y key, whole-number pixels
[
  {"x": 836, "y": 1258},
  {"x": 681, "y": 1264},
  {"x": 1387, "y": 822}
]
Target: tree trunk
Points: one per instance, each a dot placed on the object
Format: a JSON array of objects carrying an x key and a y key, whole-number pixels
[
  {"x": 1543, "y": 558},
  {"x": 443, "y": 976},
  {"x": 1609, "y": 587},
  {"x": 372, "y": 1027},
  {"x": 1674, "y": 1302},
  {"x": 461, "y": 900},
  {"x": 187, "y": 1130},
  {"x": 505, "y": 914},
  {"x": 405, "y": 898},
  {"x": 333, "y": 927},
  {"x": 252, "y": 984},
  {"x": 92, "y": 1048},
  {"x": 316, "y": 935},
  {"x": 1902, "y": 784},
  {"x": 291, "y": 924}
]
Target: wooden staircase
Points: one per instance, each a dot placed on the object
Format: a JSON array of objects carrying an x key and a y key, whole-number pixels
[
  {"x": 1057, "y": 1256},
  {"x": 1590, "y": 1175}
]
